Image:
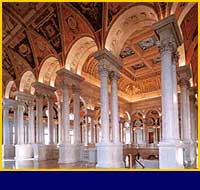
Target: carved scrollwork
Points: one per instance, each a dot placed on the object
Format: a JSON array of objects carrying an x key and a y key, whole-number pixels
[{"x": 167, "y": 46}]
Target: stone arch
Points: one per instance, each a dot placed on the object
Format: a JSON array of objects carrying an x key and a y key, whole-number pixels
[
  {"x": 9, "y": 89},
  {"x": 153, "y": 113},
  {"x": 25, "y": 83},
  {"x": 135, "y": 18},
  {"x": 79, "y": 53},
  {"x": 47, "y": 74},
  {"x": 137, "y": 119},
  {"x": 187, "y": 8}
]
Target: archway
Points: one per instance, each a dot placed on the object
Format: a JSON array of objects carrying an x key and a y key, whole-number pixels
[
  {"x": 79, "y": 53},
  {"x": 25, "y": 84},
  {"x": 153, "y": 125},
  {"x": 132, "y": 20},
  {"x": 10, "y": 89},
  {"x": 48, "y": 70}
]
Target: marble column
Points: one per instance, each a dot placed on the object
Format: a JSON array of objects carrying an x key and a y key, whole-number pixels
[
  {"x": 20, "y": 119},
  {"x": 6, "y": 140},
  {"x": 104, "y": 103},
  {"x": 70, "y": 153},
  {"x": 175, "y": 58},
  {"x": 186, "y": 136},
  {"x": 15, "y": 125},
  {"x": 76, "y": 105},
  {"x": 60, "y": 126},
  {"x": 85, "y": 135},
  {"x": 194, "y": 131},
  {"x": 92, "y": 131},
  {"x": 50, "y": 119},
  {"x": 8, "y": 149},
  {"x": 114, "y": 76},
  {"x": 39, "y": 119},
  {"x": 170, "y": 148},
  {"x": 44, "y": 151},
  {"x": 23, "y": 150},
  {"x": 65, "y": 114},
  {"x": 31, "y": 126},
  {"x": 109, "y": 154},
  {"x": 193, "y": 114}
]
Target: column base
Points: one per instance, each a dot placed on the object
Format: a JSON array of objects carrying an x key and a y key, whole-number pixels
[
  {"x": 69, "y": 153},
  {"x": 8, "y": 151},
  {"x": 189, "y": 154},
  {"x": 23, "y": 151},
  {"x": 45, "y": 152},
  {"x": 92, "y": 155},
  {"x": 110, "y": 155},
  {"x": 170, "y": 155}
]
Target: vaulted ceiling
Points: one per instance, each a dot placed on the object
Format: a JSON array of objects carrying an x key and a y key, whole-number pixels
[{"x": 32, "y": 32}]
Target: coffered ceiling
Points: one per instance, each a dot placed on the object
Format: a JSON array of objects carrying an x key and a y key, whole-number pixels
[{"x": 32, "y": 32}]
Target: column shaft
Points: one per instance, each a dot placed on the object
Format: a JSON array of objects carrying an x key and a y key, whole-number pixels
[
  {"x": 15, "y": 125},
  {"x": 167, "y": 93},
  {"x": 50, "y": 120},
  {"x": 104, "y": 105},
  {"x": 60, "y": 126},
  {"x": 184, "y": 111},
  {"x": 31, "y": 128},
  {"x": 175, "y": 96},
  {"x": 65, "y": 115},
  {"x": 6, "y": 140},
  {"x": 39, "y": 119},
  {"x": 20, "y": 123},
  {"x": 76, "y": 95},
  {"x": 114, "y": 102}
]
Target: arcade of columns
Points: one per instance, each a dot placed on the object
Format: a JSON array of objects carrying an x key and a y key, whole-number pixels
[{"x": 176, "y": 148}]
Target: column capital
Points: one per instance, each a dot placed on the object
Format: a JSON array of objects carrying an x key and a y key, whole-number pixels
[
  {"x": 193, "y": 92},
  {"x": 8, "y": 103},
  {"x": 106, "y": 57},
  {"x": 67, "y": 77},
  {"x": 183, "y": 82},
  {"x": 114, "y": 75},
  {"x": 175, "y": 57},
  {"x": 167, "y": 46},
  {"x": 103, "y": 70},
  {"x": 184, "y": 72},
  {"x": 43, "y": 88},
  {"x": 75, "y": 89},
  {"x": 168, "y": 29}
]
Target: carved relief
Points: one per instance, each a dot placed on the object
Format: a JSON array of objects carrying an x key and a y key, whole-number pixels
[
  {"x": 41, "y": 47},
  {"x": 92, "y": 11},
  {"x": 7, "y": 65},
  {"x": 22, "y": 46},
  {"x": 8, "y": 25},
  {"x": 50, "y": 30},
  {"x": 74, "y": 26}
]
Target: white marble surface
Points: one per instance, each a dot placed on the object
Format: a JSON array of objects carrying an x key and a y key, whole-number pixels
[
  {"x": 45, "y": 152},
  {"x": 69, "y": 153},
  {"x": 170, "y": 155},
  {"x": 8, "y": 151},
  {"x": 24, "y": 151},
  {"x": 109, "y": 155}
]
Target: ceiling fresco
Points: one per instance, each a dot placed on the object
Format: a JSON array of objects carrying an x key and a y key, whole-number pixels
[{"x": 33, "y": 32}]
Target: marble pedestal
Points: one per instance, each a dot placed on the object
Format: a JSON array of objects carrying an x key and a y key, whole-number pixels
[
  {"x": 23, "y": 151},
  {"x": 8, "y": 151},
  {"x": 188, "y": 153},
  {"x": 170, "y": 155},
  {"x": 69, "y": 153},
  {"x": 45, "y": 152},
  {"x": 109, "y": 155},
  {"x": 92, "y": 155}
]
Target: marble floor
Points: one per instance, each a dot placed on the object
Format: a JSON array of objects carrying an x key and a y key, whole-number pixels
[{"x": 49, "y": 164}]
